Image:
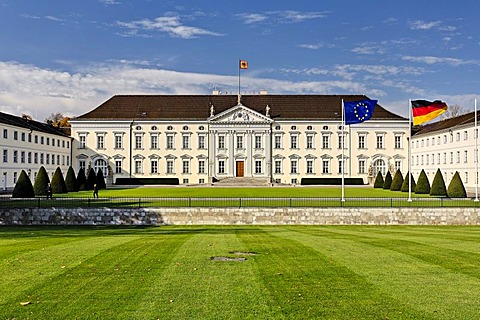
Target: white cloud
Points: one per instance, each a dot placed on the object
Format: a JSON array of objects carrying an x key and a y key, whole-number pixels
[
  {"x": 167, "y": 24},
  {"x": 427, "y": 25},
  {"x": 316, "y": 46},
  {"x": 250, "y": 18},
  {"x": 287, "y": 16},
  {"x": 109, "y": 2},
  {"x": 440, "y": 60}
]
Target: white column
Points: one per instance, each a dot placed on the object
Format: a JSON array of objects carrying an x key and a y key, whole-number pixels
[{"x": 211, "y": 154}]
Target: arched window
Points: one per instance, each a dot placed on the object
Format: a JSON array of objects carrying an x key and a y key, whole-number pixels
[
  {"x": 379, "y": 165},
  {"x": 100, "y": 164}
]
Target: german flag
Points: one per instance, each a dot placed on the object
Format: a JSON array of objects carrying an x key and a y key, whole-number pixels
[
  {"x": 243, "y": 64},
  {"x": 424, "y": 110}
]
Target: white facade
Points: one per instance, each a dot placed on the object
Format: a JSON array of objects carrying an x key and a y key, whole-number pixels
[
  {"x": 25, "y": 148},
  {"x": 238, "y": 142}
]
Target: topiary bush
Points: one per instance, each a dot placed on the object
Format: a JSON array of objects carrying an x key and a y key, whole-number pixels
[
  {"x": 71, "y": 180},
  {"x": 58, "y": 183},
  {"x": 397, "y": 181},
  {"x": 91, "y": 179},
  {"x": 81, "y": 180},
  {"x": 406, "y": 182},
  {"x": 388, "y": 181},
  {"x": 438, "y": 185},
  {"x": 378, "y": 181},
  {"x": 423, "y": 185},
  {"x": 100, "y": 180},
  {"x": 456, "y": 189},
  {"x": 41, "y": 182},
  {"x": 23, "y": 187}
]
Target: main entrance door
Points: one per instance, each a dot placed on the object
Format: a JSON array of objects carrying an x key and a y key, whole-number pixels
[{"x": 239, "y": 172}]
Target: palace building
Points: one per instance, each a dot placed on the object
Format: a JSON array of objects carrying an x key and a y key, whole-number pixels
[{"x": 201, "y": 139}]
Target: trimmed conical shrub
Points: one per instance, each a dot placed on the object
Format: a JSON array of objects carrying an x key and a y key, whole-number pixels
[
  {"x": 100, "y": 180},
  {"x": 58, "y": 183},
  {"x": 423, "y": 185},
  {"x": 438, "y": 185},
  {"x": 406, "y": 182},
  {"x": 378, "y": 181},
  {"x": 41, "y": 182},
  {"x": 81, "y": 180},
  {"x": 388, "y": 181},
  {"x": 456, "y": 189},
  {"x": 91, "y": 179},
  {"x": 23, "y": 187},
  {"x": 397, "y": 181},
  {"x": 71, "y": 180}
]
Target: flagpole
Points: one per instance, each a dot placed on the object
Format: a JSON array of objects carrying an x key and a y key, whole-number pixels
[
  {"x": 409, "y": 150},
  {"x": 476, "y": 153},
  {"x": 343, "y": 152},
  {"x": 239, "y": 69}
]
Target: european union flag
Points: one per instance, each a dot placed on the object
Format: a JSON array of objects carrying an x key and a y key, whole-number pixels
[{"x": 358, "y": 111}]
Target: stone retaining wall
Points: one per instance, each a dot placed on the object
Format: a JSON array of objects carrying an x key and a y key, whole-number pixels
[{"x": 242, "y": 216}]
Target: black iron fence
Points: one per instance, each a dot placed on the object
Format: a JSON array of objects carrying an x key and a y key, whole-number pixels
[{"x": 233, "y": 202}]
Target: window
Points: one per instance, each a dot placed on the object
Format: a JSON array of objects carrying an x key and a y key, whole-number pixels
[
  {"x": 42, "y": 140},
  {"x": 309, "y": 142},
  {"x": 170, "y": 142},
  {"x": 278, "y": 166},
  {"x": 444, "y": 158},
  {"x": 398, "y": 165},
  {"x": 169, "y": 166},
  {"x": 201, "y": 166},
  {"x": 239, "y": 142},
  {"x": 221, "y": 142},
  {"x": 278, "y": 142},
  {"x": 138, "y": 141},
  {"x": 118, "y": 141},
  {"x": 53, "y": 159},
  {"x": 451, "y": 157},
  {"x": 258, "y": 142},
  {"x": 41, "y": 158},
  {"x": 118, "y": 166},
  {"x": 5, "y": 133},
  {"x": 185, "y": 142},
  {"x": 81, "y": 164},
  {"x": 82, "y": 141},
  {"x": 154, "y": 141},
  {"x": 398, "y": 142},
  {"x": 458, "y": 156},
  {"x": 154, "y": 166},
  {"x": 29, "y": 157},
  {"x": 361, "y": 141},
  {"x": 15, "y": 135},
  {"x": 380, "y": 141},
  {"x": 36, "y": 139},
  {"x": 22, "y": 157},
  {"x": 325, "y": 141},
  {"x": 325, "y": 166},
  {"x": 47, "y": 160},
  {"x": 465, "y": 135},
  {"x": 23, "y": 136},
  {"x": 138, "y": 166},
  {"x": 444, "y": 138},
  {"x": 186, "y": 166},
  {"x": 457, "y": 135},
  {"x": 433, "y": 157},
  {"x": 427, "y": 160},
  {"x": 294, "y": 181},
  {"x": 221, "y": 166},
  {"x": 293, "y": 142},
  {"x": 5, "y": 155},
  {"x": 29, "y": 137},
  {"x": 68, "y": 160},
  {"x": 185, "y": 181},
  {"x": 422, "y": 159},
  {"x": 466, "y": 177},
  {"x": 361, "y": 165},
  {"x": 427, "y": 142},
  {"x": 465, "y": 156},
  {"x": 341, "y": 163},
  {"x": 15, "y": 156},
  {"x": 35, "y": 157},
  {"x": 433, "y": 141},
  {"x": 309, "y": 166},
  {"x": 258, "y": 166},
  {"x": 201, "y": 142},
  {"x": 438, "y": 158},
  {"x": 100, "y": 141},
  {"x": 341, "y": 141},
  {"x": 293, "y": 166},
  {"x": 100, "y": 164},
  {"x": 48, "y": 141},
  {"x": 379, "y": 166},
  {"x": 14, "y": 177},
  {"x": 201, "y": 181}
]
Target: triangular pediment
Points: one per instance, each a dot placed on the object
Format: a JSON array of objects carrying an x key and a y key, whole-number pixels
[{"x": 240, "y": 114}]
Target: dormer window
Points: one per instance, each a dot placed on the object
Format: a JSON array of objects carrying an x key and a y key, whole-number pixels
[
  {"x": 325, "y": 127},
  {"x": 185, "y": 127},
  {"x": 154, "y": 128},
  {"x": 309, "y": 128},
  {"x": 294, "y": 128},
  {"x": 169, "y": 128},
  {"x": 138, "y": 128}
]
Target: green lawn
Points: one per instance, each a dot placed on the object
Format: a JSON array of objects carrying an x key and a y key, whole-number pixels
[{"x": 294, "y": 272}]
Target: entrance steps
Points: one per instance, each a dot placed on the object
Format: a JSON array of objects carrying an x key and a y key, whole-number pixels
[{"x": 243, "y": 182}]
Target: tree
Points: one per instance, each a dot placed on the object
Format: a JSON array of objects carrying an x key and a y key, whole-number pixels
[
  {"x": 456, "y": 189},
  {"x": 58, "y": 183},
  {"x": 397, "y": 181},
  {"x": 378, "y": 181},
  {"x": 81, "y": 180},
  {"x": 101, "y": 180},
  {"x": 91, "y": 179},
  {"x": 423, "y": 185},
  {"x": 23, "y": 187},
  {"x": 41, "y": 182},
  {"x": 58, "y": 120},
  {"x": 71, "y": 180},
  {"x": 406, "y": 183},
  {"x": 454, "y": 111},
  {"x": 388, "y": 181},
  {"x": 438, "y": 185}
]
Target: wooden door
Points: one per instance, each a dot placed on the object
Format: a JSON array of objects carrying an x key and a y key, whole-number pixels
[{"x": 240, "y": 168}]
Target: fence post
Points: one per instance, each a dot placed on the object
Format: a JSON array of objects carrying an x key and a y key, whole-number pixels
[
  {"x": 240, "y": 202},
  {"x": 38, "y": 203},
  {"x": 441, "y": 202},
  {"x": 89, "y": 202},
  {"x": 139, "y": 203},
  {"x": 290, "y": 202},
  {"x": 391, "y": 202},
  {"x": 189, "y": 202}
]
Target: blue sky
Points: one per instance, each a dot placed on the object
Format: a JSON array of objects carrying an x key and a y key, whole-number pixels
[{"x": 69, "y": 56}]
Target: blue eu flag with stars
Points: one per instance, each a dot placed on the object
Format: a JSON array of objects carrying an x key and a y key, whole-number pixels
[{"x": 358, "y": 111}]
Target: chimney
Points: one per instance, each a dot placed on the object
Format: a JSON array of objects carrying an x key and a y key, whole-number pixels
[
  {"x": 215, "y": 92},
  {"x": 263, "y": 92}
]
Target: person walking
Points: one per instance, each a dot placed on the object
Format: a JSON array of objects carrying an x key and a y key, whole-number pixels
[
  {"x": 95, "y": 191},
  {"x": 49, "y": 191}
]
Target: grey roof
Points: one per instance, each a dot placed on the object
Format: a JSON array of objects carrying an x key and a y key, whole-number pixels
[{"x": 30, "y": 124}]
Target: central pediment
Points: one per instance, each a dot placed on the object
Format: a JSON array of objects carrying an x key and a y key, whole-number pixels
[{"x": 240, "y": 114}]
